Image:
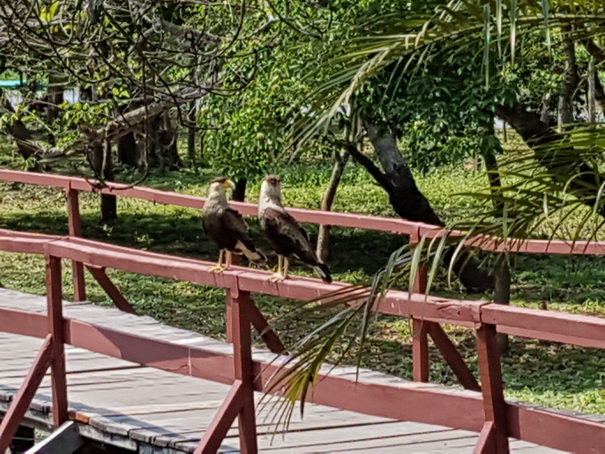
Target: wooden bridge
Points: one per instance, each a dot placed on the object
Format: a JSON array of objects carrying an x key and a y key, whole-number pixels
[{"x": 133, "y": 383}]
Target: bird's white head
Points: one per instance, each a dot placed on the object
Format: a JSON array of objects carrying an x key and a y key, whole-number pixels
[
  {"x": 217, "y": 191},
  {"x": 270, "y": 190}
]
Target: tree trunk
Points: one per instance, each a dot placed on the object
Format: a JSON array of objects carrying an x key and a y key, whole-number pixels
[
  {"x": 323, "y": 237},
  {"x": 128, "y": 153},
  {"x": 103, "y": 168},
  {"x": 54, "y": 96},
  {"x": 411, "y": 204},
  {"x": 591, "y": 92},
  {"x": 560, "y": 163},
  {"x": 503, "y": 276},
  {"x": 192, "y": 133},
  {"x": 239, "y": 192},
  {"x": 158, "y": 145},
  {"x": 570, "y": 82}
]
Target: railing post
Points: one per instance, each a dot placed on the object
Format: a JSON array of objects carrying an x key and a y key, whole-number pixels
[
  {"x": 229, "y": 306},
  {"x": 244, "y": 369},
  {"x": 420, "y": 346},
  {"x": 494, "y": 435},
  {"x": 75, "y": 229},
  {"x": 55, "y": 327}
]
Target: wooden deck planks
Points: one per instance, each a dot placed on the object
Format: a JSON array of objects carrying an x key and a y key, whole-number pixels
[{"x": 150, "y": 410}]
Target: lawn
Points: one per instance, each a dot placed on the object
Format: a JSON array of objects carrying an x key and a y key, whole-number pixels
[{"x": 541, "y": 372}]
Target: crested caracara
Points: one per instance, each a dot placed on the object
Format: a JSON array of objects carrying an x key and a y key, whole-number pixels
[
  {"x": 226, "y": 227},
  {"x": 285, "y": 235}
]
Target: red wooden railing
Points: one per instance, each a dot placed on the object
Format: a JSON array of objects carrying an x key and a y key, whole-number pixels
[
  {"x": 487, "y": 318},
  {"x": 485, "y": 411},
  {"x": 72, "y": 186}
]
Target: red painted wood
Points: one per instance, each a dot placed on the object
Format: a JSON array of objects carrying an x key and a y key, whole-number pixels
[
  {"x": 452, "y": 357},
  {"x": 74, "y": 224},
  {"x": 270, "y": 337},
  {"x": 244, "y": 369},
  {"x": 555, "y": 430},
  {"x": 405, "y": 401},
  {"x": 112, "y": 291},
  {"x": 11, "y": 421},
  {"x": 420, "y": 345},
  {"x": 546, "y": 325},
  {"x": 393, "y": 225},
  {"x": 492, "y": 387},
  {"x": 487, "y": 439},
  {"x": 549, "y": 325},
  {"x": 220, "y": 425},
  {"x": 55, "y": 327},
  {"x": 420, "y": 350}
]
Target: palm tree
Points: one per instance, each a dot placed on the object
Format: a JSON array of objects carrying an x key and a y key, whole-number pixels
[{"x": 537, "y": 191}]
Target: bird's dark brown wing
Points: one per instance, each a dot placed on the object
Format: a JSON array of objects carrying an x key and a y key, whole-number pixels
[
  {"x": 287, "y": 235},
  {"x": 234, "y": 225}
]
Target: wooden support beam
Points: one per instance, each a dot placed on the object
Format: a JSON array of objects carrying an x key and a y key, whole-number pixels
[
  {"x": 55, "y": 327},
  {"x": 244, "y": 369},
  {"x": 261, "y": 325},
  {"x": 64, "y": 440},
  {"x": 420, "y": 346},
  {"x": 220, "y": 425},
  {"x": 74, "y": 224},
  {"x": 112, "y": 291},
  {"x": 494, "y": 406},
  {"x": 420, "y": 350},
  {"x": 452, "y": 357},
  {"x": 240, "y": 400},
  {"x": 20, "y": 404},
  {"x": 487, "y": 439}
]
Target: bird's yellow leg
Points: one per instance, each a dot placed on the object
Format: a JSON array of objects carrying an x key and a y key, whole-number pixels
[
  {"x": 278, "y": 276},
  {"x": 286, "y": 266},
  {"x": 228, "y": 260},
  {"x": 219, "y": 266}
]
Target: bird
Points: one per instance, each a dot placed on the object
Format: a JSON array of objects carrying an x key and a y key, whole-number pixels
[
  {"x": 284, "y": 234},
  {"x": 226, "y": 227}
]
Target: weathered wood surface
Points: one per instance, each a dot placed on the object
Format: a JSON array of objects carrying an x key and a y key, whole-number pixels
[{"x": 149, "y": 410}]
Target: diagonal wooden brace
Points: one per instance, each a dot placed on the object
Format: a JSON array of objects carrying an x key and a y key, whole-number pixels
[
  {"x": 20, "y": 404},
  {"x": 222, "y": 422},
  {"x": 452, "y": 357},
  {"x": 112, "y": 291}
]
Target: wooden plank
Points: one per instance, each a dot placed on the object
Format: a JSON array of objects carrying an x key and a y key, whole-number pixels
[
  {"x": 105, "y": 398},
  {"x": 65, "y": 440}
]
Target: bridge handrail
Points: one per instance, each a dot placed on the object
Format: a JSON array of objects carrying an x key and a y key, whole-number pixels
[
  {"x": 556, "y": 326},
  {"x": 495, "y": 419},
  {"x": 351, "y": 220}
]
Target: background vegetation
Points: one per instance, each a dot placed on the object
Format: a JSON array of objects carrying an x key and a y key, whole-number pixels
[
  {"x": 405, "y": 91},
  {"x": 542, "y": 372}
]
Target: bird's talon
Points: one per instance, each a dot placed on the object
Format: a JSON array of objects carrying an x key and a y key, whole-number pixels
[
  {"x": 277, "y": 277},
  {"x": 217, "y": 269}
]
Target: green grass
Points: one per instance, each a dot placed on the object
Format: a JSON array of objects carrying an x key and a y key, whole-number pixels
[{"x": 545, "y": 373}]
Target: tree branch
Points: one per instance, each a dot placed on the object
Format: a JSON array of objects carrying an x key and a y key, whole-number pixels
[{"x": 367, "y": 163}]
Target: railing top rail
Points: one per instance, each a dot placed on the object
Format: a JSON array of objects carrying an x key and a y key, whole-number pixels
[
  {"x": 350, "y": 220},
  {"x": 556, "y": 326}
]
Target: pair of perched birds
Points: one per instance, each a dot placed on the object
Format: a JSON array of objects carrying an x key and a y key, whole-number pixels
[{"x": 226, "y": 227}]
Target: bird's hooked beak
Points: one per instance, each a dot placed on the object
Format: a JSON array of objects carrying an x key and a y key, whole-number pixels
[{"x": 228, "y": 184}]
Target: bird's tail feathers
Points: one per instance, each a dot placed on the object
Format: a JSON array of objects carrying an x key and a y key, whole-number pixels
[
  {"x": 324, "y": 272},
  {"x": 254, "y": 256}
]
